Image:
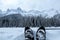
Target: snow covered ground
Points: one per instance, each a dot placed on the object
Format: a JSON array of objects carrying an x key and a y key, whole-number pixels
[{"x": 18, "y": 34}]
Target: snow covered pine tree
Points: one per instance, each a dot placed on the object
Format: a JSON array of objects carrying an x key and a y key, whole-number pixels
[
  {"x": 41, "y": 34},
  {"x": 28, "y": 34}
]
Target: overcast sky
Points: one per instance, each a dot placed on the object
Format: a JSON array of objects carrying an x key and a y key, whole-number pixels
[{"x": 30, "y": 4}]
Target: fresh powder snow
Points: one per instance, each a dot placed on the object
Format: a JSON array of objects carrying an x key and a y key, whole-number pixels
[{"x": 18, "y": 34}]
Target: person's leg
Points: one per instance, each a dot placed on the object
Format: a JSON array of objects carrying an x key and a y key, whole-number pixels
[
  {"x": 28, "y": 33},
  {"x": 41, "y": 34}
]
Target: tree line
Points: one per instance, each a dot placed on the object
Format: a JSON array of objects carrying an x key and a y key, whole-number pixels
[{"x": 31, "y": 21}]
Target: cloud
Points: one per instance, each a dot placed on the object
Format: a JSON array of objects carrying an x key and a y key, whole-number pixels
[
  {"x": 30, "y": 4},
  {"x": 8, "y": 4}
]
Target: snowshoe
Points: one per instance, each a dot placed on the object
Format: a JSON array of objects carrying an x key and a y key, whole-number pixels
[
  {"x": 28, "y": 34},
  {"x": 41, "y": 34}
]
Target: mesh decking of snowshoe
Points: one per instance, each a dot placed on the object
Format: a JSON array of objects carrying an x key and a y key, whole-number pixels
[
  {"x": 28, "y": 34},
  {"x": 41, "y": 34}
]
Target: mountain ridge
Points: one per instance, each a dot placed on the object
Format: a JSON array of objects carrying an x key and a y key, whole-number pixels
[{"x": 47, "y": 13}]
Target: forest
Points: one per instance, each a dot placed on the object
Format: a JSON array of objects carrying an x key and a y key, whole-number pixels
[{"x": 17, "y": 20}]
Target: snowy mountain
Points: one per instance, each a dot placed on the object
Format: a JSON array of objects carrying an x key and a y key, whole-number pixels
[
  {"x": 2, "y": 13},
  {"x": 45, "y": 13},
  {"x": 12, "y": 16},
  {"x": 11, "y": 20},
  {"x": 57, "y": 16},
  {"x": 51, "y": 12},
  {"x": 18, "y": 17},
  {"x": 14, "y": 11}
]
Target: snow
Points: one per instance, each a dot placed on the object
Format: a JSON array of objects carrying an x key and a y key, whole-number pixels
[
  {"x": 11, "y": 33},
  {"x": 18, "y": 34}
]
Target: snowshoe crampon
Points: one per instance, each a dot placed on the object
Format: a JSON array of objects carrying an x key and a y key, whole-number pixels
[
  {"x": 28, "y": 34},
  {"x": 41, "y": 34}
]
